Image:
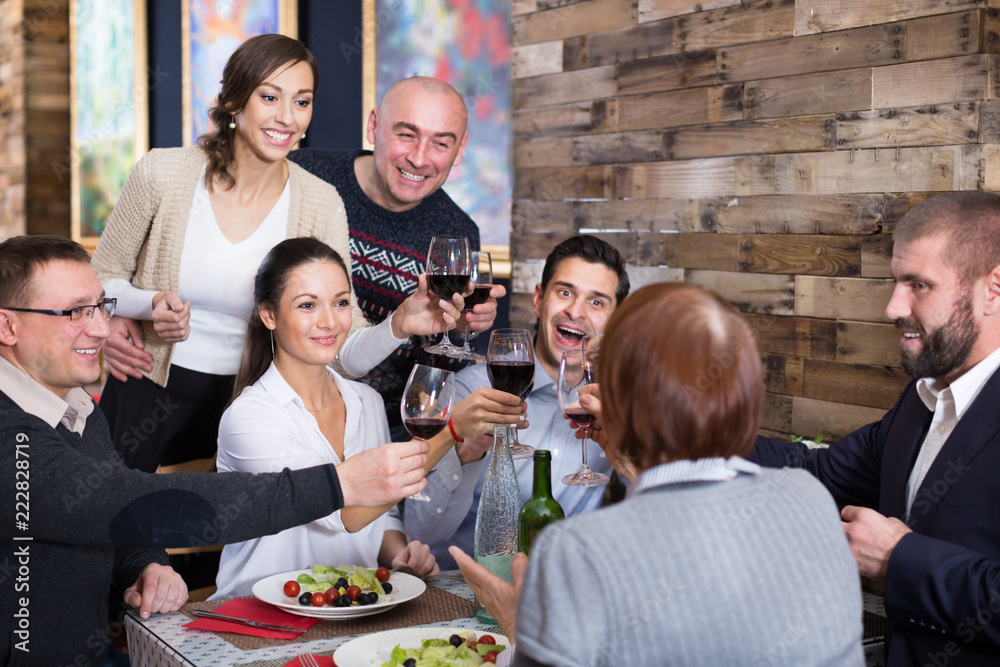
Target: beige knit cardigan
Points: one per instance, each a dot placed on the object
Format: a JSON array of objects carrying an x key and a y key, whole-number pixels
[{"x": 144, "y": 237}]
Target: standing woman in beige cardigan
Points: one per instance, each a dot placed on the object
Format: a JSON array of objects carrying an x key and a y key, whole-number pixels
[{"x": 184, "y": 241}]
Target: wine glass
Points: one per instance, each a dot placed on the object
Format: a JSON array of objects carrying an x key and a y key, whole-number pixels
[
  {"x": 592, "y": 346},
  {"x": 510, "y": 365},
  {"x": 426, "y": 404},
  {"x": 577, "y": 368},
  {"x": 447, "y": 274},
  {"x": 481, "y": 277}
]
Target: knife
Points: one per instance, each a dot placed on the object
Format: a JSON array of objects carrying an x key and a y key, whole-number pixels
[{"x": 245, "y": 621}]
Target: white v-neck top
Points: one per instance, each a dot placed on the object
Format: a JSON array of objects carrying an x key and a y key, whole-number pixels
[
  {"x": 267, "y": 429},
  {"x": 217, "y": 278}
]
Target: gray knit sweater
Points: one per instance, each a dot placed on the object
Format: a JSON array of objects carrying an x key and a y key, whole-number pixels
[{"x": 755, "y": 571}]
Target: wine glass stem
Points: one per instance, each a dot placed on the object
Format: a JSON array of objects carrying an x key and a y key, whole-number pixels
[
  {"x": 586, "y": 439},
  {"x": 466, "y": 346}
]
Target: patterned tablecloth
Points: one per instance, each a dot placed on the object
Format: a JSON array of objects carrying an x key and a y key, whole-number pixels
[{"x": 162, "y": 641}]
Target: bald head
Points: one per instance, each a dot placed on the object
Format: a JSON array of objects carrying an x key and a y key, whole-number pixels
[
  {"x": 419, "y": 133},
  {"x": 430, "y": 90}
]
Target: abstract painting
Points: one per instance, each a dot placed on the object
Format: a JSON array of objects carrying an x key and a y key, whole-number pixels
[
  {"x": 107, "y": 107},
  {"x": 211, "y": 30}
]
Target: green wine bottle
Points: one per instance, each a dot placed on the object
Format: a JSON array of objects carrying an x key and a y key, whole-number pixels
[{"x": 541, "y": 509}]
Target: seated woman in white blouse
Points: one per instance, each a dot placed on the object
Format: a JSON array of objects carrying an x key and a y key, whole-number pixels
[{"x": 291, "y": 410}]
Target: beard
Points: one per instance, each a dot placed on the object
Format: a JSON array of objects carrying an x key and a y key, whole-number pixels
[{"x": 945, "y": 349}]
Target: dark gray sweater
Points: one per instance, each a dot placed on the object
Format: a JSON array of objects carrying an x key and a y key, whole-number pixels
[{"x": 76, "y": 524}]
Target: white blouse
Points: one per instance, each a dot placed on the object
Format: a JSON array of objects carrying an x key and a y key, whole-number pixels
[{"x": 267, "y": 429}]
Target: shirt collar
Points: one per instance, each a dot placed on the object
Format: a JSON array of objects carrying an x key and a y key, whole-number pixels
[
  {"x": 715, "y": 469},
  {"x": 276, "y": 385},
  {"x": 36, "y": 400},
  {"x": 964, "y": 390}
]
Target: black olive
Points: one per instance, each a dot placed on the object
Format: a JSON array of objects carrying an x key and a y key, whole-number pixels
[
  {"x": 409, "y": 662},
  {"x": 374, "y": 597},
  {"x": 387, "y": 587},
  {"x": 455, "y": 640},
  {"x": 340, "y": 583},
  {"x": 363, "y": 599},
  {"x": 305, "y": 598},
  {"x": 345, "y": 600}
]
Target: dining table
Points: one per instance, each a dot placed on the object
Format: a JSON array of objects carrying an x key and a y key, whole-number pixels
[{"x": 162, "y": 640}]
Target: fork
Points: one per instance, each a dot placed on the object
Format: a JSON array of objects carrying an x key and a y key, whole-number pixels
[{"x": 307, "y": 660}]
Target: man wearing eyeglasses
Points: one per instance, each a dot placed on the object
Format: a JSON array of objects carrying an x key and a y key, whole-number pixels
[{"x": 75, "y": 522}]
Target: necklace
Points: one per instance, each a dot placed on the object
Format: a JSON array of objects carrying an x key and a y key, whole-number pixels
[{"x": 326, "y": 405}]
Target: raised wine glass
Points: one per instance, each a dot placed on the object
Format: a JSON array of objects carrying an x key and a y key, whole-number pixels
[
  {"x": 576, "y": 369},
  {"x": 426, "y": 404},
  {"x": 592, "y": 346},
  {"x": 447, "y": 275},
  {"x": 481, "y": 277},
  {"x": 510, "y": 365}
]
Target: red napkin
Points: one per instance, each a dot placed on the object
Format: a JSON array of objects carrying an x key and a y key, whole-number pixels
[
  {"x": 323, "y": 660},
  {"x": 254, "y": 610}
]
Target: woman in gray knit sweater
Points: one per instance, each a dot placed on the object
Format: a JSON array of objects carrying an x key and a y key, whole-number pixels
[
  {"x": 183, "y": 243},
  {"x": 711, "y": 560}
]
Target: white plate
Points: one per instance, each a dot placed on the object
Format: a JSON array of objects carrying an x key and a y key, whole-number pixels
[
  {"x": 270, "y": 589},
  {"x": 376, "y": 648}
]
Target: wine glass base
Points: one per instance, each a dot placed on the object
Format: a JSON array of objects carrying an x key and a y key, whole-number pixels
[
  {"x": 420, "y": 496},
  {"x": 441, "y": 348},
  {"x": 462, "y": 354},
  {"x": 519, "y": 451},
  {"x": 586, "y": 478}
]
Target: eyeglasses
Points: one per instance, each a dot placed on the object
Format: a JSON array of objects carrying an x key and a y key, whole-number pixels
[{"x": 78, "y": 314}]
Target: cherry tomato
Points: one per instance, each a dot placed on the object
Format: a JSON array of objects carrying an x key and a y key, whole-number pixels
[
  {"x": 490, "y": 656},
  {"x": 292, "y": 589},
  {"x": 382, "y": 574},
  {"x": 487, "y": 639},
  {"x": 354, "y": 592},
  {"x": 331, "y": 595},
  {"x": 318, "y": 599}
]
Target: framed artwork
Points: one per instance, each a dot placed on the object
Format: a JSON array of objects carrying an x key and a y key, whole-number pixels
[
  {"x": 211, "y": 30},
  {"x": 108, "y": 117},
  {"x": 466, "y": 44}
]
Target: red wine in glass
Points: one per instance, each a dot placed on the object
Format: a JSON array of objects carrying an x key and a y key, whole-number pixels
[
  {"x": 513, "y": 377},
  {"x": 425, "y": 428},
  {"x": 579, "y": 415},
  {"x": 479, "y": 295},
  {"x": 443, "y": 286}
]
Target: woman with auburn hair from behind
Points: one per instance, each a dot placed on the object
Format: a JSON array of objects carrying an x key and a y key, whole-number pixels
[{"x": 711, "y": 560}]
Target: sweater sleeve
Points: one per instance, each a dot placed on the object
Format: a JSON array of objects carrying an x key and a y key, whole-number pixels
[
  {"x": 79, "y": 499},
  {"x": 117, "y": 253}
]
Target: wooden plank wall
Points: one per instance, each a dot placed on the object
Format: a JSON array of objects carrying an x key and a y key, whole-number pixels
[
  {"x": 12, "y": 159},
  {"x": 763, "y": 149},
  {"x": 35, "y": 186}
]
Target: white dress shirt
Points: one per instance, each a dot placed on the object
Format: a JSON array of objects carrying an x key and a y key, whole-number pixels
[
  {"x": 948, "y": 403},
  {"x": 454, "y": 489},
  {"x": 33, "y": 398},
  {"x": 268, "y": 429}
]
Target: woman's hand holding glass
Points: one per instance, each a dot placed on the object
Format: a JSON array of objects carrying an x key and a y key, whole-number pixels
[{"x": 426, "y": 405}]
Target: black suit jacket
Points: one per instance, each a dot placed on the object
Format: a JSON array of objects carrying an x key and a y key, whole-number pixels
[{"x": 943, "y": 584}]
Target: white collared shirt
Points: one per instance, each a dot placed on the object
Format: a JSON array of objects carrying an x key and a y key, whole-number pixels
[
  {"x": 267, "y": 429},
  {"x": 36, "y": 400},
  {"x": 948, "y": 403}
]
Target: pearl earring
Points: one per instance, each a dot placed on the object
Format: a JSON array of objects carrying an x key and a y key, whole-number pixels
[
  {"x": 232, "y": 123},
  {"x": 303, "y": 136}
]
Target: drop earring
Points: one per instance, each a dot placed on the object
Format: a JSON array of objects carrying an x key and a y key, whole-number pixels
[
  {"x": 232, "y": 123},
  {"x": 272, "y": 343}
]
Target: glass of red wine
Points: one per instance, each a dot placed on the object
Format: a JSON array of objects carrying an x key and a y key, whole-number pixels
[
  {"x": 576, "y": 369},
  {"x": 481, "y": 277},
  {"x": 426, "y": 404},
  {"x": 447, "y": 275},
  {"x": 510, "y": 365}
]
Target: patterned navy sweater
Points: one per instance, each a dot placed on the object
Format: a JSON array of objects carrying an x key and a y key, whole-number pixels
[{"x": 388, "y": 252}]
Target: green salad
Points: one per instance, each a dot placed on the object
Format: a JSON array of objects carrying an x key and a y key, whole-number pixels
[
  {"x": 462, "y": 650},
  {"x": 325, "y": 576}
]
